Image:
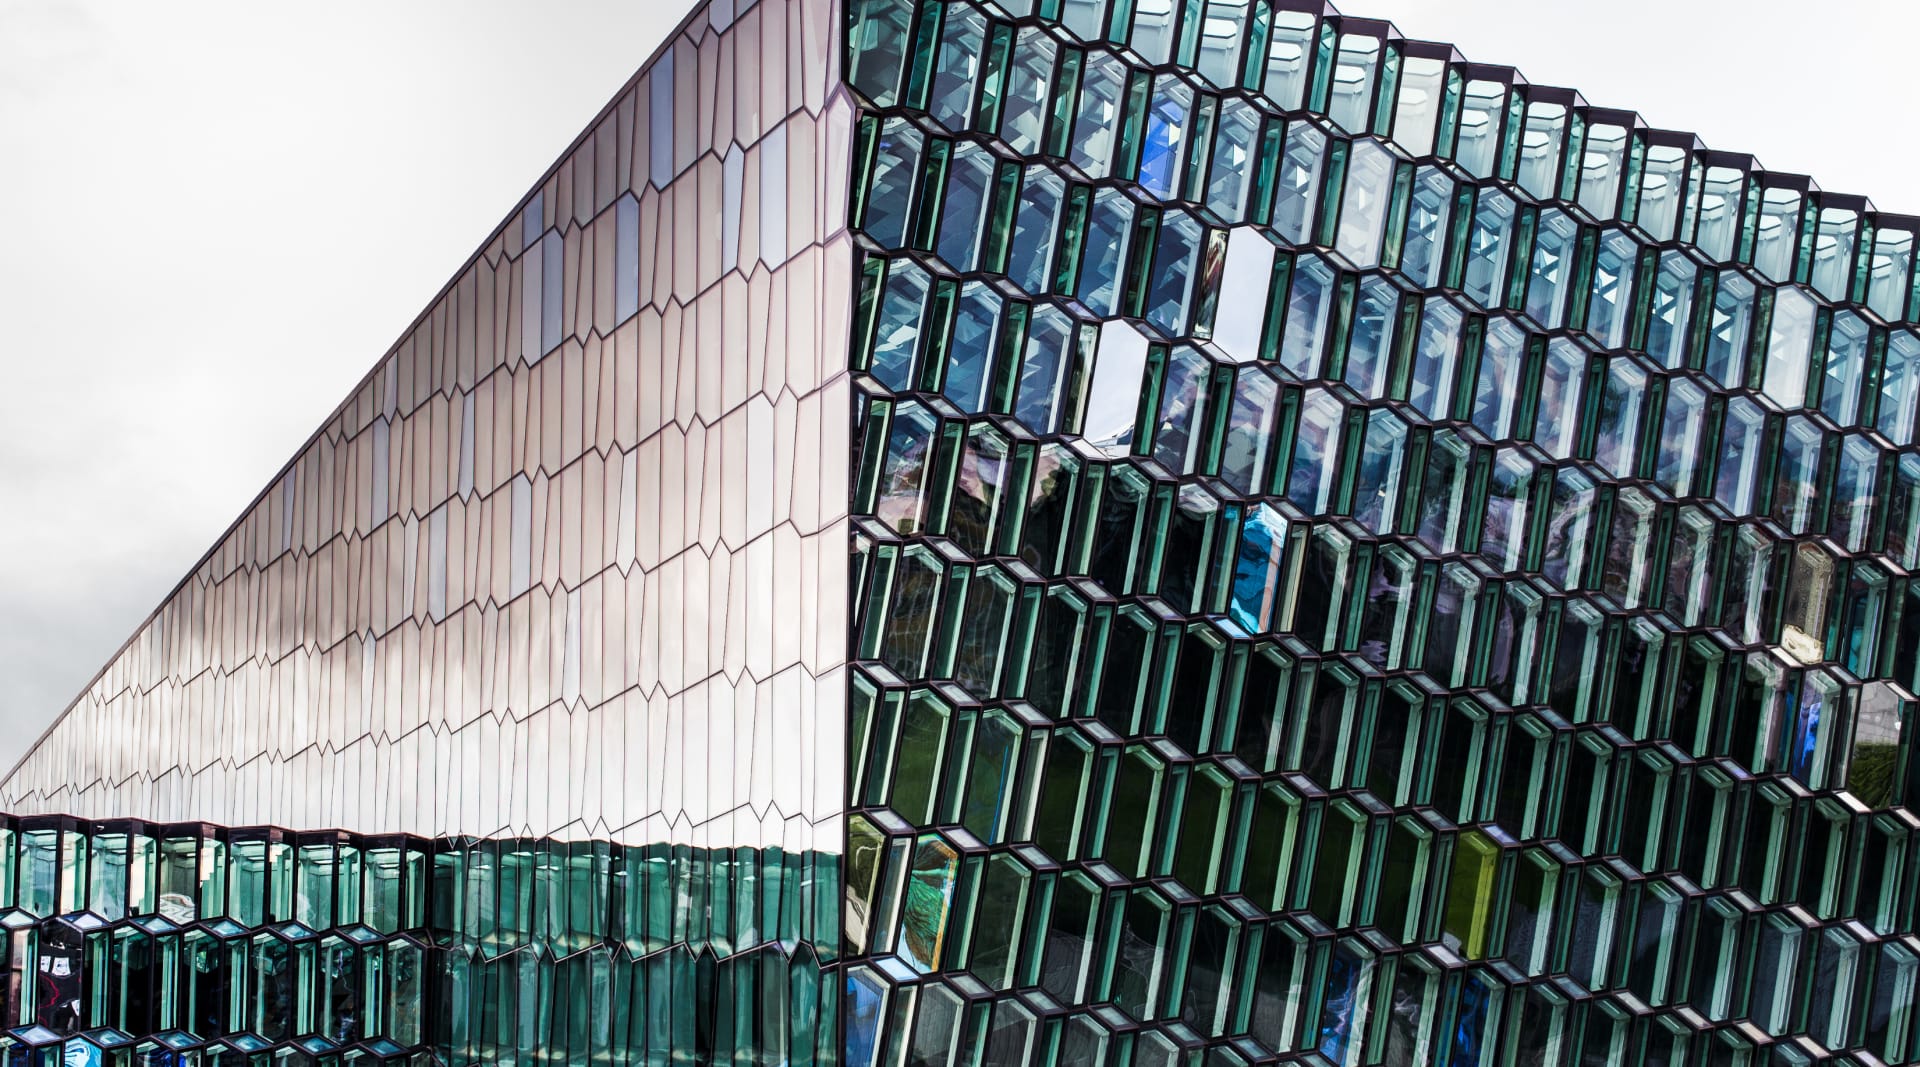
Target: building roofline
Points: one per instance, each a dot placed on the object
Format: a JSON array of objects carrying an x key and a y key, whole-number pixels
[{"x": 700, "y": 11}]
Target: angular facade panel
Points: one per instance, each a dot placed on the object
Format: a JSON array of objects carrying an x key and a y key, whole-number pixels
[
  {"x": 533, "y": 651},
  {"x": 1354, "y": 559},
  {"x": 553, "y": 534}
]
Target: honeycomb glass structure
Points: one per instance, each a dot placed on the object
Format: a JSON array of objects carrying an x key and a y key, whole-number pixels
[
  {"x": 1360, "y": 559},
  {"x": 977, "y": 533}
]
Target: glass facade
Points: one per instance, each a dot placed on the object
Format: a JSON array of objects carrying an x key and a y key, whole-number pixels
[
  {"x": 958, "y": 533},
  {"x": 1359, "y": 559},
  {"x": 191, "y": 943},
  {"x": 510, "y": 650}
]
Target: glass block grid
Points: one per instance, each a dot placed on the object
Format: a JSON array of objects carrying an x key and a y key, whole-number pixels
[
  {"x": 1361, "y": 559},
  {"x": 132, "y": 943}
]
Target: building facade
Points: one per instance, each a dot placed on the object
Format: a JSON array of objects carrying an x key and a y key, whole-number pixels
[
  {"x": 517, "y": 630},
  {"x": 977, "y": 532}
]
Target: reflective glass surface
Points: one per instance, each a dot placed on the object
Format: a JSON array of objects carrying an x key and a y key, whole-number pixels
[
  {"x": 1421, "y": 574},
  {"x": 536, "y": 647},
  {"x": 1147, "y": 533}
]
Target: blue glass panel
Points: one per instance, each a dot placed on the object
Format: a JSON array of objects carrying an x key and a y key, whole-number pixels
[
  {"x": 660, "y": 117},
  {"x": 961, "y": 216},
  {"x": 1176, "y": 265},
  {"x": 1308, "y": 307},
  {"x": 626, "y": 255},
  {"x": 896, "y": 170},
  {"x": 976, "y": 326},
  {"x": 1342, "y": 1006},
  {"x": 897, "y": 338},
  {"x": 1042, "y": 370},
  {"x": 1162, "y": 151},
  {"x": 866, "y": 996},
  {"x": 1030, "y": 262},
  {"x": 1108, "y": 229},
  {"x": 1256, "y": 570},
  {"x": 1470, "y": 1023},
  {"x": 1667, "y": 339}
]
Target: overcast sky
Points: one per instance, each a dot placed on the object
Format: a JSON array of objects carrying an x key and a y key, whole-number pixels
[{"x": 221, "y": 214}]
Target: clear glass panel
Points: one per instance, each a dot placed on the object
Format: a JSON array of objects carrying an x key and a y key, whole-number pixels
[
  {"x": 1109, "y": 228},
  {"x": 1833, "y": 251},
  {"x": 1610, "y": 310},
  {"x": 1298, "y": 190},
  {"x": 1350, "y": 99},
  {"x": 1728, "y": 332},
  {"x": 1423, "y": 253},
  {"x": 1239, "y": 325},
  {"x": 1602, "y": 166},
  {"x": 1023, "y": 116},
  {"x": 1153, "y": 30},
  {"x": 1230, "y": 173},
  {"x": 1489, "y": 244},
  {"x": 1844, "y": 368},
  {"x": 963, "y": 211},
  {"x": 1789, "y": 347},
  {"x": 1309, "y": 305},
  {"x": 1316, "y": 452},
  {"x": 1797, "y": 470},
  {"x": 1541, "y": 145},
  {"x": 963, "y": 39},
  {"x": 1370, "y": 345},
  {"x": 1382, "y": 471},
  {"x": 1663, "y": 185},
  {"x": 1778, "y": 231},
  {"x": 1176, "y": 270},
  {"x": 1890, "y": 273},
  {"x": 1482, "y": 109},
  {"x": 1050, "y": 357},
  {"x": 1177, "y": 437},
  {"x": 1436, "y": 360},
  {"x": 1097, "y": 116},
  {"x": 1740, "y": 455},
  {"x": 1113, "y": 398},
  {"x": 1497, "y": 389},
  {"x": 1899, "y": 388},
  {"x": 1562, "y": 383},
  {"x": 1617, "y": 445},
  {"x": 970, "y": 351},
  {"x": 896, "y": 174},
  {"x": 1364, "y": 204},
  {"x": 1668, "y": 333},
  {"x": 1422, "y": 85},
  {"x": 1250, "y": 426},
  {"x": 1223, "y": 34},
  {"x": 1036, "y": 229},
  {"x": 897, "y": 337},
  {"x": 1290, "y": 57},
  {"x": 1555, "y": 237},
  {"x": 1680, "y": 461},
  {"x": 1717, "y": 212}
]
